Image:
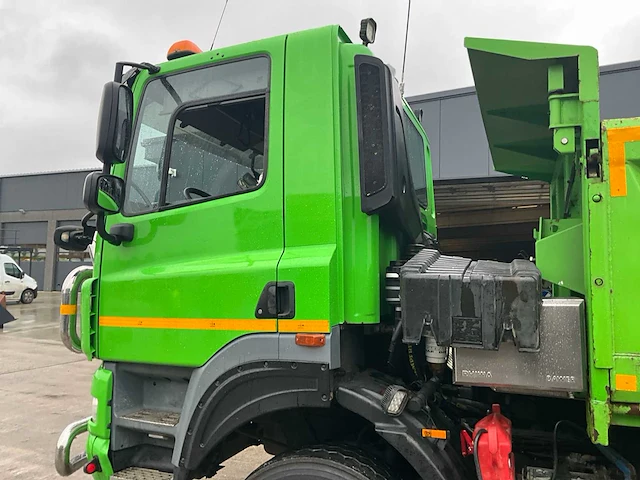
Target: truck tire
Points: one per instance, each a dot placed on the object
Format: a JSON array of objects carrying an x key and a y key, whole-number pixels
[
  {"x": 27, "y": 296},
  {"x": 322, "y": 463}
]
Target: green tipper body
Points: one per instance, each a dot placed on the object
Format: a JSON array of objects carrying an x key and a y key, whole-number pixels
[{"x": 540, "y": 106}]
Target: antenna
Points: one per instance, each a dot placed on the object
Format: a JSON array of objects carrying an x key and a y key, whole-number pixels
[
  {"x": 404, "y": 54},
  {"x": 215, "y": 35}
]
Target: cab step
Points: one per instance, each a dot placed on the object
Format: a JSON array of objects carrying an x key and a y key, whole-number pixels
[
  {"x": 137, "y": 473},
  {"x": 153, "y": 417}
]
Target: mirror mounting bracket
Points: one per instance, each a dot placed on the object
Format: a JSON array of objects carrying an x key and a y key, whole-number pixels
[
  {"x": 151, "y": 68},
  {"x": 102, "y": 231},
  {"x": 121, "y": 232}
]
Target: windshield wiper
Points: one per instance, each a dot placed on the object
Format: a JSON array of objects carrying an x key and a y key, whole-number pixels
[{"x": 171, "y": 90}]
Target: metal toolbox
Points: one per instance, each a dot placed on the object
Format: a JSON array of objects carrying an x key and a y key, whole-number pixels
[{"x": 558, "y": 367}]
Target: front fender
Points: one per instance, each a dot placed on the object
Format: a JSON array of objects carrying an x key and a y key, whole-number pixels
[
  {"x": 247, "y": 392},
  {"x": 431, "y": 459}
]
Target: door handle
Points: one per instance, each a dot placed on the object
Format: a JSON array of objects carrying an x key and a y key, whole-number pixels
[{"x": 277, "y": 300}]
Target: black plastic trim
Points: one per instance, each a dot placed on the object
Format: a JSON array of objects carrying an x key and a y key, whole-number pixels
[
  {"x": 277, "y": 300},
  {"x": 386, "y": 185},
  {"x": 246, "y": 393},
  {"x": 432, "y": 459},
  {"x": 144, "y": 456},
  {"x": 374, "y": 196},
  {"x": 123, "y": 231},
  {"x": 267, "y": 307},
  {"x": 286, "y": 299}
]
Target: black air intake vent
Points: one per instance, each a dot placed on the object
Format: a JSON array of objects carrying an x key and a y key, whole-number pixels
[
  {"x": 372, "y": 141},
  {"x": 386, "y": 186}
]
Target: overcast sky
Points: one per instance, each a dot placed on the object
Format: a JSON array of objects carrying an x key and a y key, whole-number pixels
[{"x": 55, "y": 55}]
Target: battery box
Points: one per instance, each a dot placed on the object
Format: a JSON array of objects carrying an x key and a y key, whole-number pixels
[{"x": 470, "y": 304}]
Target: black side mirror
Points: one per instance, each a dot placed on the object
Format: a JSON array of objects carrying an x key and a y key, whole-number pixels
[
  {"x": 114, "y": 123},
  {"x": 21, "y": 274},
  {"x": 72, "y": 237},
  {"x": 103, "y": 193}
]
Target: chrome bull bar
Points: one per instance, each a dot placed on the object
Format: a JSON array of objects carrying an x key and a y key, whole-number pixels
[
  {"x": 65, "y": 466},
  {"x": 69, "y": 307}
]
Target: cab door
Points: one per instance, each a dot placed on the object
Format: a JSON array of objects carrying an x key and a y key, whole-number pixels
[{"x": 204, "y": 193}]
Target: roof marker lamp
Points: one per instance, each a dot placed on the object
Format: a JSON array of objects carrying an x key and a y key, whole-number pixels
[
  {"x": 394, "y": 400},
  {"x": 181, "y": 49}
]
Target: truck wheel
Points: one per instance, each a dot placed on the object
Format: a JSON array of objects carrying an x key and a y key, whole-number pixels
[
  {"x": 322, "y": 463},
  {"x": 27, "y": 296}
]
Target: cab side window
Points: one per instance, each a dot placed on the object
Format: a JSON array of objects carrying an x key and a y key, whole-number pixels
[
  {"x": 199, "y": 134},
  {"x": 416, "y": 154},
  {"x": 12, "y": 270},
  {"x": 217, "y": 150}
]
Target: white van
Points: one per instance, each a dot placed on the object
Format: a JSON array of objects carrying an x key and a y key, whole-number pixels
[{"x": 16, "y": 285}]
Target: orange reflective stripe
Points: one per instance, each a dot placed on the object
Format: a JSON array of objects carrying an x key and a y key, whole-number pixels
[
  {"x": 303, "y": 326},
  {"x": 236, "y": 324},
  {"x": 626, "y": 383},
  {"x": 67, "y": 309},
  {"x": 617, "y": 139}
]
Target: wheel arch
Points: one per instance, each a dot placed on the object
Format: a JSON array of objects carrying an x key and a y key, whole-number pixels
[
  {"x": 245, "y": 394},
  {"x": 238, "y": 394},
  {"x": 432, "y": 459}
]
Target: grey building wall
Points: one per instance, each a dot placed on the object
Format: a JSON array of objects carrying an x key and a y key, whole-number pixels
[
  {"x": 620, "y": 91},
  {"x": 51, "y": 191},
  {"x": 31, "y": 207},
  {"x": 24, "y": 233},
  {"x": 453, "y": 122}
]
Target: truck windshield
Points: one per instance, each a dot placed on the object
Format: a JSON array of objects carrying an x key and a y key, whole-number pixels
[{"x": 162, "y": 98}]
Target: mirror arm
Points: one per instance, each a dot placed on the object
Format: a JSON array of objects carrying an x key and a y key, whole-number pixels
[
  {"x": 88, "y": 230},
  {"x": 102, "y": 231},
  {"x": 151, "y": 68}
]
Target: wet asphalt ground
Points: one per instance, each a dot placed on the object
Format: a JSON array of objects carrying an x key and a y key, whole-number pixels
[{"x": 44, "y": 387}]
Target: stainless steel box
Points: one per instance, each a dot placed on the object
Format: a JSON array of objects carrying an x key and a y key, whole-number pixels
[{"x": 558, "y": 368}]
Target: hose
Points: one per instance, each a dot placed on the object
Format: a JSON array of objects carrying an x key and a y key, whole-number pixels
[
  {"x": 620, "y": 463},
  {"x": 476, "y": 437},
  {"x": 394, "y": 340},
  {"x": 420, "y": 399}
]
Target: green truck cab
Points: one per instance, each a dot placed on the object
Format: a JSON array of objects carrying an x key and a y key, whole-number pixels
[{"x": 267, "y": 272}]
